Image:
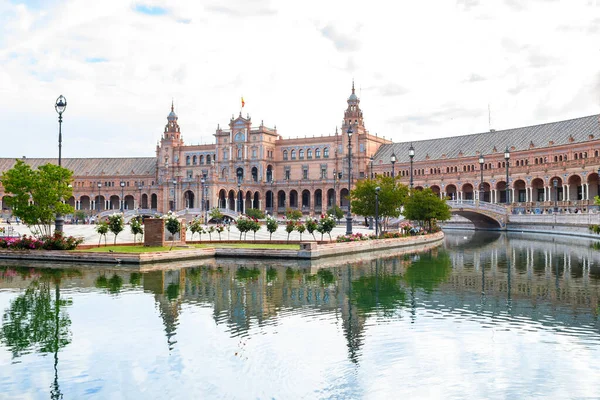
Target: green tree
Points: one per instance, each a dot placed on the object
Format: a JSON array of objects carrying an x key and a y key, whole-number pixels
[
  {"x": 311, "y": 226},
  {"x": 255, "y": 213},
  {"x": 292, "y": 214},
  {"x": 173, "y": 226},
  {"x": 116, "y": 224},
  {"x": 244, "y": 224},
  {"x": 254, "y": 227},
  {"x": 301, "y": 228},
  {"x": 102, "y": 229},
  {"x": 196, "y": 227},
  {"x": 215, "y": 214},
  {"x": 80, "y": 215},
  {"x": 427, "y": 208},
  {"x": 336, "y": 212},
  {"x": 326, "y": 225},
  {"x": 136, "y": 227},
  {"x": 290, "y": 227},
  {"x": 392, "y": 196},
  {"x": 36, "y": 196},
  {"x": 272, "y": 226}
]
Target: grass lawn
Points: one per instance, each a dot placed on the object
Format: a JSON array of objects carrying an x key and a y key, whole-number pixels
[{"x": 142, "y": 249}]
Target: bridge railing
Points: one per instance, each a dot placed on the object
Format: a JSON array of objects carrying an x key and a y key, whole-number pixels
[{"x": 476, "y": 204}]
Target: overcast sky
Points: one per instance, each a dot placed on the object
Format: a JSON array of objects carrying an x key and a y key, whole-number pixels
[{"x": 422, "y": 69}]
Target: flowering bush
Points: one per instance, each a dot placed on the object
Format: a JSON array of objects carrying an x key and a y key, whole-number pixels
[
  {"x": 326, "y": 225},
  {"x": 136, "y": 227},
  {"x": 196, "y": 227},
  {"x": 172, "y": 224},
  {"x": 290, "y": 227},
  {"x": 272, "y": 226},
  {"x": 116, "y": 224},
  {"x": 210, "y": 230},
  {"x": 246, "y": 224},
  {"x": 392, "y": 235},
  {"x": 220, "y": 228},
  {"x": 355, "y": 237},
  {"x": 311, "y": 226},
  {"x": 54, "y": 242},
  {"x": 102, "y": 229},
  {"x": 301, "y": 228}
]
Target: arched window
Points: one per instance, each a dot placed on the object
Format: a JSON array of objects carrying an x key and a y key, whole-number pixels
[
  {"x": 187, "y": 160},
  {"x": 225, "y": 153},
  {"x": 301, "y": 154},
  {"x": 317, "y": 153},
  {"x": 293, "y": 154},
  {"x": 285, "y": 155},
  {"x": 309, "y": 153},
  {"x": 326, "y": 152},
  {"x": 239, "y": 153},
  {"x": 201, "y": 160},
  {"x": 208, "y": 159},
  {"x": 194, "y": 160},
  {"x": 576, "y": 156}
]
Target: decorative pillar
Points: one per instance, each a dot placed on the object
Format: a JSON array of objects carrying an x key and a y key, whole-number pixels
[{"x": 587, "y": 192}]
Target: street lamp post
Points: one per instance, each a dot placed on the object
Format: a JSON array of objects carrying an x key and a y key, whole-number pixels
[
  {"x": 481, "y": 161},
  {"x": 174, "y": 195},
  {"x": 122, "y": 196},
  {"x": 377, "y": 189},
  {"x": 393, "y": 161},
  {"x": 507, "y": 159},
  {"x": 99, "y": 195},
  {"x": 371, "y": 218},
  {"x": 555, "y": 183},
  {"x": 239, "y": 176},
  {"x": 60, "y": 106},
  {"x": 349, "y": 215},
  {"x": 411, "y": 154}
]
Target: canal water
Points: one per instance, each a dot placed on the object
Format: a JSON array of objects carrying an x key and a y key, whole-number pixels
[{"x": 486, "y": 315}]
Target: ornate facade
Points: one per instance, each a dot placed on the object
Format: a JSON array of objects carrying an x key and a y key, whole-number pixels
[{"x": 255, "y": 167}]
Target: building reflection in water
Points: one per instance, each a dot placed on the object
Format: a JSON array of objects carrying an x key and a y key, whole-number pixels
[{"x": 550, "y": 280}]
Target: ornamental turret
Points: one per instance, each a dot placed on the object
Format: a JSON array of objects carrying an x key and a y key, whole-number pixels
[{"x": 353, "y": 115}]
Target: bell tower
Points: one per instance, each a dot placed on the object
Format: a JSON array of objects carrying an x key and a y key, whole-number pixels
[
  {"x": 353, "y": 115},
  {"x": 172, "y": 131}
]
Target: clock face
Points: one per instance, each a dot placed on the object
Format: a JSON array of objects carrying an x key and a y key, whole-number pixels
[{"x": 240, "y": 137}]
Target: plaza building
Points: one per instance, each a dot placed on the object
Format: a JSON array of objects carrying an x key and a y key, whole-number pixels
[{"x": 251, "y": 166}]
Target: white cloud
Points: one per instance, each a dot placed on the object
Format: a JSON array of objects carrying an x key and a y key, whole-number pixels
[{"x": 293, "y": 64}]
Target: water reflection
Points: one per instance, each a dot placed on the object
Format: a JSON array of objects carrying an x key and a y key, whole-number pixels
[
  {"x": 520, "y": 283},
  {"x": 34, "y": 321}
]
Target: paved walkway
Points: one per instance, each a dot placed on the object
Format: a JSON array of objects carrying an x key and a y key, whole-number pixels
[{"x": 91, "y": 237}]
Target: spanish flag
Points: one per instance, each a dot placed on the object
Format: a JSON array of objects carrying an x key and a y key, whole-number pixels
[{"x": 243, "y": 102}]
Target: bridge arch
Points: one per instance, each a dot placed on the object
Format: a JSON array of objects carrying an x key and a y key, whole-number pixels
[{"x": 481, "y": 214}]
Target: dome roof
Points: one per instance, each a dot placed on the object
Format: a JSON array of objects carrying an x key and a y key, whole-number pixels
[
  {"x": 172, "y": 116},
  {"x": 353, "y": 96}
]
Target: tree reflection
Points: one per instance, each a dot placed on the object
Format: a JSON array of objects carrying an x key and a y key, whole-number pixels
[
  {"x": 114, "y": 284},
  {"x": 428, "y": 271},
  {"x": 378, "y": 291},
  {"x": 34, "y": 321}
]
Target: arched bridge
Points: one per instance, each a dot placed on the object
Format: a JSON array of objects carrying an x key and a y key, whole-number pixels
[{"x": 483, "y": 215}]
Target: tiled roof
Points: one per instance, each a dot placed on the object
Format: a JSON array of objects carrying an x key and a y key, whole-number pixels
[
  {"x": 561, "y": 132},
  {"x": 93, "y": 166}
]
